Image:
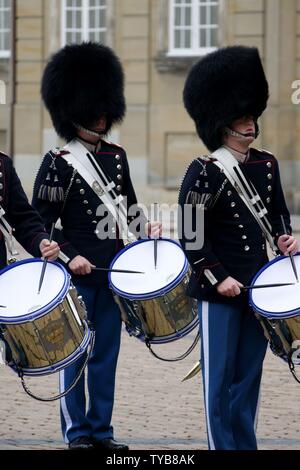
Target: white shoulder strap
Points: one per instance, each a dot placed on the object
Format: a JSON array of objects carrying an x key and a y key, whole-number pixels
[
  {"x": 77, "y": 157},
  {"x": 7, "y": 231},
  {"x": 248, "y": 194}
]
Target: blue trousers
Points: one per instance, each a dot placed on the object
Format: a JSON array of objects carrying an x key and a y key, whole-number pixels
[
  {"x": 95, "y": 421},
  {"x": 233, "y": 349}
]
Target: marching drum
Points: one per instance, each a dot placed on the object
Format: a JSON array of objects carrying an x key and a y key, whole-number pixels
[
  {"x": 278, "y": 308},
  {"x": 48, "y": 331},
  {"x": 154, "y": 305}
]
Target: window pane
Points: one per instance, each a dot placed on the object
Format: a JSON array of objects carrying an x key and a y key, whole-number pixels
[
  {"x": 94, "y": 36},
  {"x": 69, "y": 37},
  {"x": 214, "y": 37},
  {"x": 188, "y": 16},
  {"x": 97, "y": 20},
  {"x": 6, "y": 42},
  {"x": 177, "y": 16},
  {"x": 214, "y": 14},
  {"x": 74, "y": 37},
  {"x": 194, "y": 24},
  {"x": 77, "y": 19},
  {"x": 202, "y": 16},
  {"x": 78, "y": 37},
  {"x": 177, "y": 38},
  {"x": 69, "y": 19},
  {"x": 102, "y": 38},
  {"x": 92, "y": 19},
  {"x": 103, "y": 19},
  {"x": 4, "y": 27},
  {"x": 74, "y": 3},
  {"x": 187, "y": 38},
  {"x": 202, "y": 38},
  {"x": 6, "y": 18},
  {"x": 97, "y": 3}
]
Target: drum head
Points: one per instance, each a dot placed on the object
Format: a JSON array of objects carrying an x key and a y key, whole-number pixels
[
  {"x": 172, "y": 265},
  {"x": 19, "y": 284},
  {"x": 277, "y": 302}
]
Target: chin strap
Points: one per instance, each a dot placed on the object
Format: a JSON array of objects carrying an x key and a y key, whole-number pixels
[
  {"x": 233, "y": 133},
  {"x": 88, "y": 131}
]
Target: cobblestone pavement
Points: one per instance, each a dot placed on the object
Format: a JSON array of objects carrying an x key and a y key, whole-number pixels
[{"x": 153, "y": 408}]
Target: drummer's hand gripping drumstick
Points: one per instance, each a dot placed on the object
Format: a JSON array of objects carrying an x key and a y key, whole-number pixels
[
  {"x": 290, "y": 254},
  {"x": 45, "y": 260}
]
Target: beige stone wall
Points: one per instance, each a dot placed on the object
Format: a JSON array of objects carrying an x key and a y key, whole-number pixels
[
  {"x": 4, "y": 108},
  {"x": 28, "y": 111},
  {"x": 173, "y": 142},
  {"x": 157, "y": 133},
  {"x": 280, "y": 128},
  {"x": 132, "y": 44},
  {"x": 172, "y": 139}
]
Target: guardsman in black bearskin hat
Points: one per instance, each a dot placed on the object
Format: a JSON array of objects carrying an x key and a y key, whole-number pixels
[
  {"x": 83, "y": 89},
  {"x": 225, "y": 93}
]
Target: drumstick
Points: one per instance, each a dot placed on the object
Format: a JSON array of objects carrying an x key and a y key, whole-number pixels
[
  {"x": 290, "y": 254},
  {"x": 45, "y": 260},
  {"x": 155, "y": 240},
  {"x": 263, "y": 286},
  {"x": 118, "y": 271}
]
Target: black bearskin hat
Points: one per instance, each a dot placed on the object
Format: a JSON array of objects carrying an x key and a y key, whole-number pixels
[
  {"x": 223, "y": 86},
  {"x": 80, "y": 83}
]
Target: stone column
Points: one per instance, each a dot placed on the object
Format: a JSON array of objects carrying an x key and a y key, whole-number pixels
[
  {"x": 279, "y": 121},
  {"x": 28, "y": 109},
  {"x": 132, "y": 44}
]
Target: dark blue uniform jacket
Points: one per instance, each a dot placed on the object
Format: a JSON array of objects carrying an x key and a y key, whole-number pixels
[
  {"x": 234, "y": 244},
  {"x": 60, "y": 192},
  {"x": 27, "y": 224}
]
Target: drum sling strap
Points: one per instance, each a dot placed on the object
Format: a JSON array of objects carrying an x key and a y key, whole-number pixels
[
  {"x": 7, "y": 230},
  {"x": 226, "y": 162},
  {"x": 86, "y": 165}
]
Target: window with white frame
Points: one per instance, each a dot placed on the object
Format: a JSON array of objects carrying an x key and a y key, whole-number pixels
[
  {"x": 84, "y": 20},
  {"x": 4, "y": 29},
  {"x": 193, "y": 27}
]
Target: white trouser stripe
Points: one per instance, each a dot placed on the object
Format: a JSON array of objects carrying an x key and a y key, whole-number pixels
[
  {"x": 257, "y": 410},
  {"x": 205, "y": 339},
  {"x": 63, "y": 405}
]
